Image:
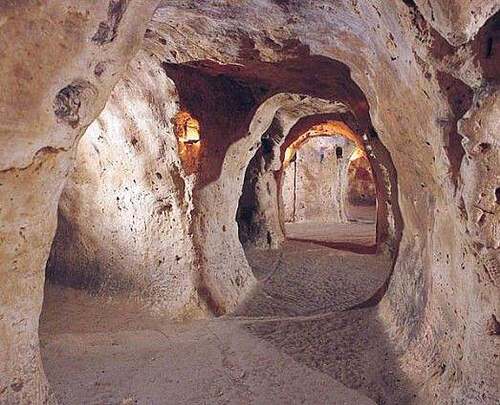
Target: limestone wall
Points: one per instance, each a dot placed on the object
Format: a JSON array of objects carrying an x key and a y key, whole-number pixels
[
  {"x": 312, "y": 183},
  {"x": 58, "y": 65},
  {"x": 125, "y": 212},
  {"x": 421, "y": 82}
]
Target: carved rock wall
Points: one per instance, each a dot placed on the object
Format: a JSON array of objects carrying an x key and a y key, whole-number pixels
[
  {"x": 58, "y": 65},
  {"x": 125, "y": 213},
  {"x": 385, "y": 61},
  {"x": 312, "y": 184}
]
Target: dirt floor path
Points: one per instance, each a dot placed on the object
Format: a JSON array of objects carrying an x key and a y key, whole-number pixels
[
  {"x": 359, "y": 233},
  {"x": 291, "y": 342}
]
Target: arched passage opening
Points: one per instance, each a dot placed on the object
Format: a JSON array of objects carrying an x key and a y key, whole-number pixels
[
  {"x": 55, "y": 82},
  {"x": 262, "y": 214},
  {"x": 312, "y": 176},
  {"x": 181, "y": 187},
  {"x": 262, "y": 221},
  {"x": 323, "y": 197}
]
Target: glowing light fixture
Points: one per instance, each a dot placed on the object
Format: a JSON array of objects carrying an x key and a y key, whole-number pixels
[
  {"x": 358, "y": 152},
  {"x": 187, "y": 128},
  {"x": 192, "y": 131},
  {"x": 290, "y": 155}
]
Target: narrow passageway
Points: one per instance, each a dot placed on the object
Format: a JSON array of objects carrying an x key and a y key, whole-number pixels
[
  {"x": 249, "y": 202},
  {"x": 109, "y": 349},
  {"x": 149, "y": 290},
  {"x": 112, "y": 351},
  {"x": 327, "y": 190}
]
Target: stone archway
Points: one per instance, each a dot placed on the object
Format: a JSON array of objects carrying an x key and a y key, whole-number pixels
[{"x": 387, "y": 61}]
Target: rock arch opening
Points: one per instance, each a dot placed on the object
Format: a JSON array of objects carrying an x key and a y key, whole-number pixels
[
  {"x": 324, "y": 195},
  {"x": 147, "y": 217}
]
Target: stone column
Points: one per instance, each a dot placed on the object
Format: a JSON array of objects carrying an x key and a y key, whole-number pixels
[{"x": 343, "y": 180}]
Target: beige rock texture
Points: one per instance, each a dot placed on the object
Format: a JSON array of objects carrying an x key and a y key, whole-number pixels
[
  {"x": 457, "y": 21},
  {"x": 314, "y": 185},
  {"x": 258, "y": 215},
  {"x": 360, "y": 183},
  {"x": 417, "y": 82},
  {"x": 125, "y": 213},
  {"x": 58, "y": 65}
]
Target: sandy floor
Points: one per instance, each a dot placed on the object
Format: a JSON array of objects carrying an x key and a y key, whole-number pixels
[
  {"x": 205, "y": 362},
  {"x": 291, "y": 342},
  {"x": 360, "y": 231},
  {"x": 353, "y": 233},
  {"x": 308, "y": 279}
]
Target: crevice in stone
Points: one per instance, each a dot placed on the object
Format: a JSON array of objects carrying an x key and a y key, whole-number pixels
[
  {"x": 460, "y": 97},
  {"x": 39, "y": 155},
  {"x": 108, "y": 29}
]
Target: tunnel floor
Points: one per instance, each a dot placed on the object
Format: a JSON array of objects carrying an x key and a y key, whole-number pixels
[
  {"x": 362, "y": 234},
  {"x": 293, "y": 341},
  {"x": 359, "y": 232}
]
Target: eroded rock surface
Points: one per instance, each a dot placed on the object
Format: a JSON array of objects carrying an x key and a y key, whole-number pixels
[
  {"x": 50, "y": 94},
  {"x": 419, "y": 81},
  {"x": 458, "y": 21},
  {"x": 124, "y": 215}
]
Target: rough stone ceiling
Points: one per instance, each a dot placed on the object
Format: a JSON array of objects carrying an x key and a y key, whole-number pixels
[{"x": 419, "y": 80}]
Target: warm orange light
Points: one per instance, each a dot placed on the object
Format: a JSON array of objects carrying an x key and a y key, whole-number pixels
[
  {"x": 289, "y": 155},
  {"x": 187, "y": 128},
  {"x": 358, "y": 152},
  {"x": 192, "y": 131},
  {"x": 328, "y": 128}
]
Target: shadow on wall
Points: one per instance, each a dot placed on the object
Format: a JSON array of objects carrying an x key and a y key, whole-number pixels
[{"x": 248, "y": 226}]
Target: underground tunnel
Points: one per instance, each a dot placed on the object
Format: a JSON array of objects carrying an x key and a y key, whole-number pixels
[{"x": 249, "y": 202}]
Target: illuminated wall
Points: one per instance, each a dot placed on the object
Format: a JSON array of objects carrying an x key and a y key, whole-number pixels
[{"x": 312, "y": 180}]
